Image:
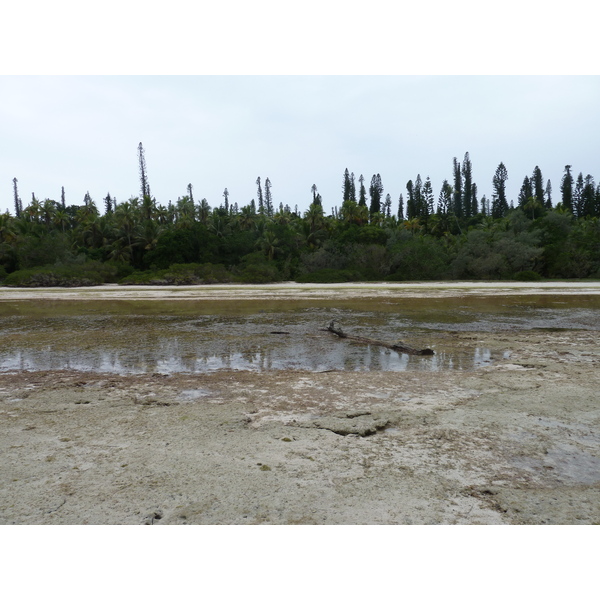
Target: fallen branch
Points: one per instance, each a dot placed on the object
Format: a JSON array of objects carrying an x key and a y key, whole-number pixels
[{"x": 398, "y": 346}]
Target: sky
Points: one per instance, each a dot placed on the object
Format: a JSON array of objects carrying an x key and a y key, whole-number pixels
[
  {"x": 220, "y": 101},
  {"x": 217, "y": 132}
]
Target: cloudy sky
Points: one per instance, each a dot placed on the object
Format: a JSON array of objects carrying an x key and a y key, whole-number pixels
[{"x": 224, "y": 131}]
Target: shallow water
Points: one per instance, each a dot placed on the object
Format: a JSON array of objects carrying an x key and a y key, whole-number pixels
[{"x": 127, "y": 337}]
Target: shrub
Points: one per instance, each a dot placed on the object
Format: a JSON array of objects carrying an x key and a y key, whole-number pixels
[
  {"x": 53, "y": 277},
  {"x": 328, "y": 276},
  {"x": 527, "y": 276}
]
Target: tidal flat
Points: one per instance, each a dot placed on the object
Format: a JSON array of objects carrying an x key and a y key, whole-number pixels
[{"x": 230, "y": 404}]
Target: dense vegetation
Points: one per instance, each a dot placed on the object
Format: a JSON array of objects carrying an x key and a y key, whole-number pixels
[{"x": 187, "y": 242}]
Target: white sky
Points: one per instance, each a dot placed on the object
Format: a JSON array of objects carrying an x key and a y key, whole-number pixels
[{"x": 293, "y": 107}]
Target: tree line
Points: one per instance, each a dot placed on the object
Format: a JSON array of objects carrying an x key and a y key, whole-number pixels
[{"x": 456, "y": 236}]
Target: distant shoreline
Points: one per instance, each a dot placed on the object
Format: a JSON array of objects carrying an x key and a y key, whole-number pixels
[{"x": 292, "y": 290}]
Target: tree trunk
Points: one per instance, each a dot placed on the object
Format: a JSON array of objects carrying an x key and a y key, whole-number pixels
[{"x": 398, "y": 346}]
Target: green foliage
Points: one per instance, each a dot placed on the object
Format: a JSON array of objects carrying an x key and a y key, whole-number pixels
[
  {"x": 256, "y": 268},
  {"x": 328, "y": 276},
  {"x": 180, "y": 274},
  {"x": 414, "y": 258},
  {"x": 69, "y": 275},
  {"x": 188, "y": 242},
  {"x": 496, "y": 254},
  {"x": 527, "y": 276}
]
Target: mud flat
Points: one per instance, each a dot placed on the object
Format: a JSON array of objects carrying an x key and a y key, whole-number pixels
[{"x": 515, "y": 442}]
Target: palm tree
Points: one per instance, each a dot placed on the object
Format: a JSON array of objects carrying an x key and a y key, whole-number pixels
[
  {"x": 61, "y": 220},
  {"x": 269, "y": 244},
  {"x": 204, "y": 211},
  {"x": 48, "y": 210},
  {"x": 7, "y": 229}
]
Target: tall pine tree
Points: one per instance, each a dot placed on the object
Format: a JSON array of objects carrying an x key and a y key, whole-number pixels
[
  {"x": 537, "y": 183},
  {"x": 261, "y": 202},
  {"x": 467, "y": 186},
  {"x": 375, "y": 192},
  {"x": 144, "y": 185},
  {"x": 499, "y": 202},
  {"x": 566, "y": 189},
  {"x": 18, "y": 203},
  {"x": 362, "y": 198},
  {"x": 268, "y": 198},
  {"x": 457, "y": 205}
]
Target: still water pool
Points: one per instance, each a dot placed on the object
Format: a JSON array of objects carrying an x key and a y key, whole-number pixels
[{"x": 129, "y": 337}]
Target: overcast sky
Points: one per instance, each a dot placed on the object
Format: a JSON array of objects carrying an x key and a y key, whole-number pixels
[{"x": 224, "y": 131}]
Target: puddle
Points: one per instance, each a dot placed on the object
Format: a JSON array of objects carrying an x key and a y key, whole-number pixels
[
  {"x": 193, "y": 395},
  {"x": 135, "y": 337}
]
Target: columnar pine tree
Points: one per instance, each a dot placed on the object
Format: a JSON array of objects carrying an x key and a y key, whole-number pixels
[
  {"x": 589, "y": 197},
  {"x": 566, "y": 189},
  {"x": 428, "y": 201},
  {"x": 419, "y": 196},
  {"x": 144, "y": 185},
  {"x": 578, "y": 197},
  {"x": 548, "y": 203},
  {"x": 467, "y": 189},
  {"x": 313, "y": 189},
  {"x": 474, "y": 204},
  {"x": 457, "y": 205},
  {"x": 411, "y": 209},
  {"x": 108, "y": 204},
  {"x": 375, "y": 192},
  {"x": 400, "y": 208},
  {"x": 362, "y": 194},
  {"x": 485, "y": 209},
  {"x": 261, "y": 202},
  {"x": 499, "y": 202},
  {"x": 226, "y": 196},
  {"x": 352, "y": 188},
  {"x": 525, "y": 193},
  {"x": 346, "y": 187},
  {"x": 268, "y": 198},
  {"x": 190, "y": 190},
  {"x": 445, "y": 198},
  {"x": 18, "y": 203},
  {"x": 387, "y": 206},
  {"x": 62, "y": 198},
  {"x": 537, "y": 183}
]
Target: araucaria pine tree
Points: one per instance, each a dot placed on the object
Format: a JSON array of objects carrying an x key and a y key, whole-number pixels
[
  {"x": 375, "y": 192},
  {"x": 362, "y": 197},
  {"x": 268, "y": 198},
  {"x": 457, "y": 205},
  {"x": 400, "y": 208},
  {"x": 18, "y": 203},
  {"x": 499, "y": 203},
  {"x": 566, "y": 189},
  {"x": 346, "y": 187},
  {"x": 144, "y": 185},
  {"x": 467, "y": 186},
  {"x": 537, "y": 183},
  {"x": 548, "y": 195},
  {"x": 261, "y": 202}
]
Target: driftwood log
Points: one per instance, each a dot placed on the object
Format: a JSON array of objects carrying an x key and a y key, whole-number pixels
[{"x": 398, "y": 346}]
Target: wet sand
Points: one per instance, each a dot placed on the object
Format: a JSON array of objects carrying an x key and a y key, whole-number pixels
[{"x": 514, "y": 442}]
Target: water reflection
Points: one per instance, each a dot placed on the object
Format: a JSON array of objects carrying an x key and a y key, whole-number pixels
[{"x": 192, "y": 341}]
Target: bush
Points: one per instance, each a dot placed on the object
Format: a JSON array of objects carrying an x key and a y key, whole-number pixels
[
  {"x": 53, "y": 277},
  {"x": 144, "y": 278},
  {"x": 328, "y": 276},
  {"x": 259, "y": 273},
  {"x": 527, "y": 276},
  {"x": 180, "y": 274}
]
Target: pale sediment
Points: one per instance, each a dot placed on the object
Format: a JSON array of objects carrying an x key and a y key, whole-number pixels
[{"x": 514, "y": 442}]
